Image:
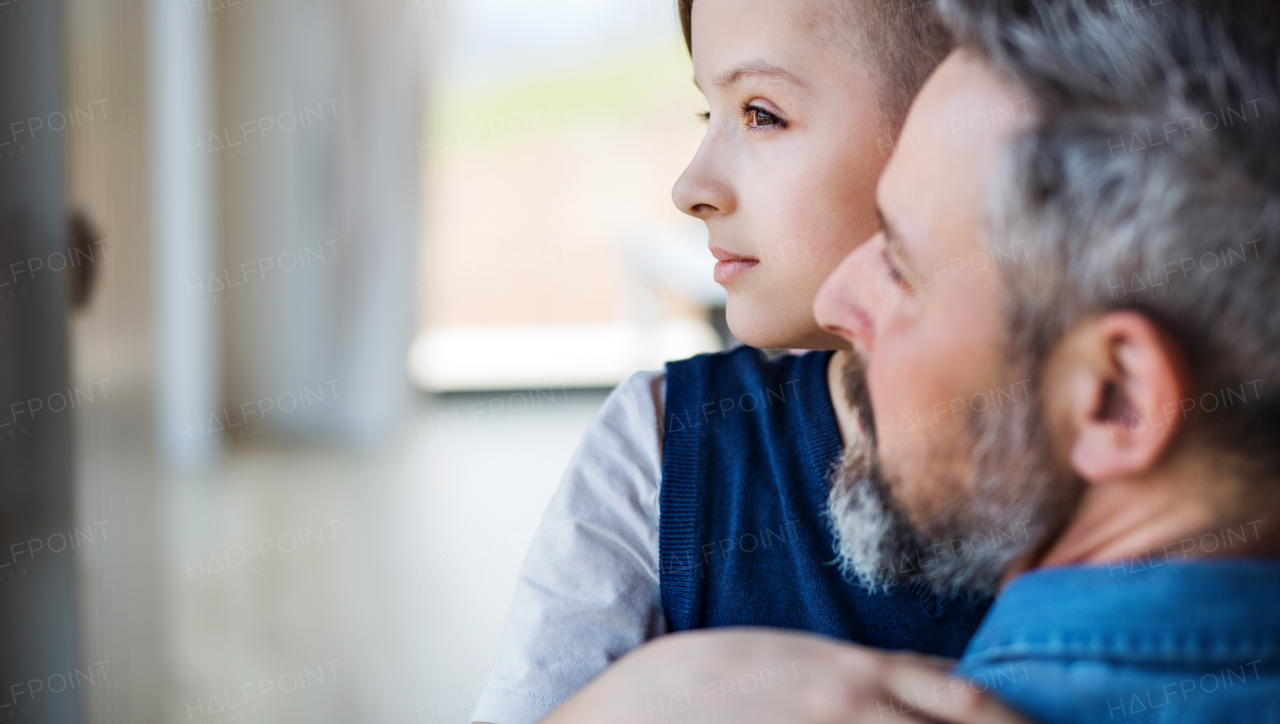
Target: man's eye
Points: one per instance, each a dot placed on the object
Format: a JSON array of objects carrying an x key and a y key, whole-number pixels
[
  {"x": 896, "y": 274},
  {"x": 758, "y": 117},
  {"x": 893, "y": 269}
]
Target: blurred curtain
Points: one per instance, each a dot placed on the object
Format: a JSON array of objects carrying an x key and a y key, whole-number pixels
[{"x": 319, "y": 205}]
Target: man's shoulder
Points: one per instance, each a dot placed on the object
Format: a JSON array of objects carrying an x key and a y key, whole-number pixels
[
  {"x": 1118, "y": 642},
  {"x": 1080, "y": 690}
]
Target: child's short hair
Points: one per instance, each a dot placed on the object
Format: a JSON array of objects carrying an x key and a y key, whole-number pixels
[{"x": 902, "y": 41}]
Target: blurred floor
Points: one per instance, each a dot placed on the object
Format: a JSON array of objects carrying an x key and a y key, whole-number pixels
[{"x": 314, "y": 586}]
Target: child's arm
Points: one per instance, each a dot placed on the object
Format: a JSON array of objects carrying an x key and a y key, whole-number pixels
[{"x": 588, "y": 591}]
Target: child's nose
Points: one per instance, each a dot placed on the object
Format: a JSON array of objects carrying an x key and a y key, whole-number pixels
[{"x": 701, "y": 191}]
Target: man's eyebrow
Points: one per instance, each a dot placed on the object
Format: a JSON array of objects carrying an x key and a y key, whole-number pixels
[
  {"x": 756, "y": 69},
  {"x": 889, "y": 231}
]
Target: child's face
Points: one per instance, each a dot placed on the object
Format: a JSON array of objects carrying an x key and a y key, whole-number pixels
[{"x": 785, "y": 177}]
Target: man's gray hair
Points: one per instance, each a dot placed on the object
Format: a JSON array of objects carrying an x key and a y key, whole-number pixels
[{"x": 1150, "y": 181}]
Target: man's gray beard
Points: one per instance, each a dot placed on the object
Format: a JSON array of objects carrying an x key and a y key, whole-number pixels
[{"x": 1008, "y": 498}]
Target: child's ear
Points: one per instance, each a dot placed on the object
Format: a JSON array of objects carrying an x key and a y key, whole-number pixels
[{"x": 1113, "y": 390}]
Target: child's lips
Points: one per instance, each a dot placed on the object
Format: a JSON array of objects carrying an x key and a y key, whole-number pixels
[
  {"x": 730, "y": 266},
  {"x": 727, "y": 271}
]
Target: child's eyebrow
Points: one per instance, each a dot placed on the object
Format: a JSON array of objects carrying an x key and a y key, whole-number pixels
[{"x": 755, "y": 69}]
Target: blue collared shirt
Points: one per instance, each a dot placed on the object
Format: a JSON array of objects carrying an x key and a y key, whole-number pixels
[{"x": 1147, "y": 640}]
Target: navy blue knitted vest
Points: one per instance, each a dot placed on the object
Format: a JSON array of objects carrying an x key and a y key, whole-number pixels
[{"x": 748, "y": 448}]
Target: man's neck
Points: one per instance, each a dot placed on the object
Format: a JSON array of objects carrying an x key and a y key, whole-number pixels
[{"x": 1177, "y": 516}]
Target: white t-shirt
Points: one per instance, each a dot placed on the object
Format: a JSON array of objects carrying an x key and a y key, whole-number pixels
[{"x": 588, "y": 591}]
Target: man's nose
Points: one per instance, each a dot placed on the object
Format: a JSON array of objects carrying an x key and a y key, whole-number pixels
[{"x": 840, "y": 308}]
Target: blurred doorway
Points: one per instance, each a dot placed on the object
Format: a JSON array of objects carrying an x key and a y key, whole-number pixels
[{"x": 38, "y": 605}]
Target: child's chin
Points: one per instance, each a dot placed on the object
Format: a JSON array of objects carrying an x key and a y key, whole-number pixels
[{"x": 759, "y": 329}]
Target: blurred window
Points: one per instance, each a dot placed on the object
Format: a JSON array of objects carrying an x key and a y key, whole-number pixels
[{"x": 552, "y": 253}]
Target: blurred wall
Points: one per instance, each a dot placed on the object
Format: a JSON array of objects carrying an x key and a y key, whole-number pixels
[{"x": 113, "y": 353}]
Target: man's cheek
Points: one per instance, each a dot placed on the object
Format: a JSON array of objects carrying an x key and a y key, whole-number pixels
[
  {"x": 907, "y": 466},
  {"x": 908, "y": 402}
]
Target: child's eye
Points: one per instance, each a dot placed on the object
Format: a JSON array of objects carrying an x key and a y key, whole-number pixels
[
  {"x": 757, "y": 117},
  {"x": 705, "y": 116}
]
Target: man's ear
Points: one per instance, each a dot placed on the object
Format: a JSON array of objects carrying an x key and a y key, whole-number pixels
[{"x": 1113, "y": 388}]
